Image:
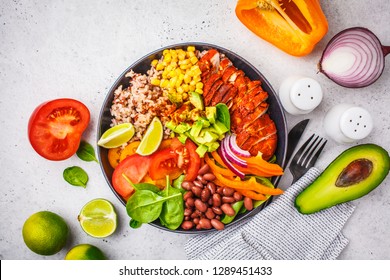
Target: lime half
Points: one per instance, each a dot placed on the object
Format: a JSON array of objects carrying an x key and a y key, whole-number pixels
[
  {"x": 85, "y": 252},
  {"x": 152, "y": 138},
  {"x": 98, "y": 218},
  {"x": 117, "y": 136}
]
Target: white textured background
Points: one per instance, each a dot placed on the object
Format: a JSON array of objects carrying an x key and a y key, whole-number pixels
[{"x": 77, "y": 49}]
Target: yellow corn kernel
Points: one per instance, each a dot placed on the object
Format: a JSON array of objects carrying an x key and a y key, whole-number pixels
[
  {"x": 197, "y": 78},
  {"x": 165, "y": 51},
  {"x": 199, "y": 85},
  {"x": 178, "y": 71},
  {"x": 193, "y": 83},
  {"x": 164, "y": 83},
  {"x": 192, "y": 88},
  {"x": 194, "y": 59},
  {"x": 167, "y": 57},
  {"x": 185, "y": 66},
  {"x": 165, "y": 74},
  {"x": 199, "y": 90},
  {"x": 172, "y": 73},
  {"x": 169, "y": 68},
  {"x": 155, "y": 82},
  {"x": 172, "y": 82},
  {"x": 181, "y": 55},
  {"x": 197, "y": 72},
  {"x": 174, "y": 62},
  {"x": 159, "y": 66},
  {"x": 178, "y": 83},
  {"x": 190, "y": 48},
  {"x": 184, "y": 96},
  {"x": 184, "y": 61},
  {"x": 190, "y": 73},
  {"x": 173, "y": 53},
  {"x": 187, "y": 78},
  {"x": 185, "y": 87},
  {"x": 180, "y": 90},
  {"x": 154, "y": 62},
  {"x": 172, "y": 90}
]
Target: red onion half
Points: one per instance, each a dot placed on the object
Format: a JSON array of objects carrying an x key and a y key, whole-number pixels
[{"x": 354, "y": 58}]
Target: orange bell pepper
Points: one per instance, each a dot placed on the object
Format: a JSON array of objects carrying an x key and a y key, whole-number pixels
[{"x": 294, "y": 26}]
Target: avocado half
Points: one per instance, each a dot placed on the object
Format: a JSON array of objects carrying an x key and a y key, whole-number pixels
[{"x": 353, "y": 174}]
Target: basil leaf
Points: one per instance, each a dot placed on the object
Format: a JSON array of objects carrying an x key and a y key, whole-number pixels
[
  {"x": 86, "y": 152},
  {"x": 135, "y": 224},
  {"x": 76, "y": 176},
  {"x": 223, "y": 114}
]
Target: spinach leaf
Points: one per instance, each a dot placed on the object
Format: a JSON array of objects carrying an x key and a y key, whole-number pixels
[
  {"x": 76, "y": 176},
  {"x": 146, "y": 186},
  {"x": 223, "y": 114},
  {"x": 86, "y": 152},
  {"x": 145, "y": 206},
  {"x": 177, "y": 183},
  {"x": 172, "y": 213},
  {"x": 135, "y": 224}
]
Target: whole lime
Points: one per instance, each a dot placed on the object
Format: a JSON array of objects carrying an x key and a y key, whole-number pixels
[
  {"x": 45, "y": 233},
  {"x": 85, "y": 252}
]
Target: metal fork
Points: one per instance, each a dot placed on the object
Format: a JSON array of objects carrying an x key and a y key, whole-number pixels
[{"x": 306, "y": 156}]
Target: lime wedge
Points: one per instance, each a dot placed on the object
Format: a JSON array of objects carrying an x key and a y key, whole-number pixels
[
  {"x": 117, "y": 136},
  {"x": 152, "y": 138},
  {"x": 98, "y": 218}
]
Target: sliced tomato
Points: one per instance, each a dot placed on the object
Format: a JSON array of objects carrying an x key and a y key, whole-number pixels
[
  {"x": 55, "y": 128},
  {"x": 175, "y": 160},
  {"x": 165, "y": 162},
  {"x": 135, "y": 167},
  {"x": 194, "y": 161}
]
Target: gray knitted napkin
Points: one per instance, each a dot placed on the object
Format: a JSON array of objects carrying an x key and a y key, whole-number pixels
[{"x": 279, "y": 232}]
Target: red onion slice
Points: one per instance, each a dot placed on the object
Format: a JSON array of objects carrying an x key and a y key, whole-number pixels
[
  {"x": 235, "y": 148},
  {"x": 354, "y": 58}
]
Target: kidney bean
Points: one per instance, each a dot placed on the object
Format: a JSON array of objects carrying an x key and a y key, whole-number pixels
[
  {"x": 196, "y": 221},
  {"x": 248, "y": 203},
  {"x": 218, "y": 217},
  {"x": 210, "y": 201},
  {"x": 198, "y": 227},
  {"x": 190, "y": 202},
  {"x": 228, "y": 209},
  {"x": 187, "y": 185},
  {"x": 237, "y": 196},
  {"x": 211, "y": 186},
  {"x": 210, "y": 213},
  {"x": 205, "y": 195},
  {"x": 204, "y": 169},
  {"x": 200, "y": 205},
  {"x": 217, "y": 210},
  {"x": 209, "y": 177},
  {"x": 219, "y": 190},
  {"x": 187, "y": 212},
  {"x": 205, "y": 223},
  {"x": 218, "y": 225},
  {"x": 194, "y": 215},
  {"x": 188, "y": 195},
  {"x": 198, "y": 184},
  {"x": 186, "y": 225},
  {"x": 196, "y": 190},
  {"x": 228, "y": 199},
  {"x": 187, "y": 218},
  {"x": 201, "y": 179},
  {"x": 226, "y": 191},
  {"x": 217, "y": 200}
]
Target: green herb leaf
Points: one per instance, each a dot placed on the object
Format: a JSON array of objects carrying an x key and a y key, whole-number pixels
[
  {"x": 172, "y": 213},
  {"x": 76, "y": 176},
  {"x": 86, "y": 152},
  {"x": 177, "y": 183},
  {"x": 135, "y": 224},
  {"x": 145, "y": 206},
  {"x": 223, "y": 114}
]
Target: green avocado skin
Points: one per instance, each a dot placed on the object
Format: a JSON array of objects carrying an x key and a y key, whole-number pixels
[{"x": 323, "y": 193}]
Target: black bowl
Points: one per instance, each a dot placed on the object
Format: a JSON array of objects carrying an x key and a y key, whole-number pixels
[{"x": 142, "y": 65}]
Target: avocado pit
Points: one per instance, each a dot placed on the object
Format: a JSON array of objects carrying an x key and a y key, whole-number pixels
[{"x": 357, "y": 171}]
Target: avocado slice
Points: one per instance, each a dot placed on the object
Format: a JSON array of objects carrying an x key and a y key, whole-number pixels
[
  {"x": 353, "y": 174},
  {"x": 197, "y": 100},
  {"x": 211, "y": 114}
]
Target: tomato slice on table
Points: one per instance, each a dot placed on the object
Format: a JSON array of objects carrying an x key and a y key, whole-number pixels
[
  {"x": 135, "y": 167},
  {"x": 55, "y": 128}
]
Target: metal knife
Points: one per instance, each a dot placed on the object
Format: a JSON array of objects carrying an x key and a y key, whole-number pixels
[{"x": 293, "y": 138}]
